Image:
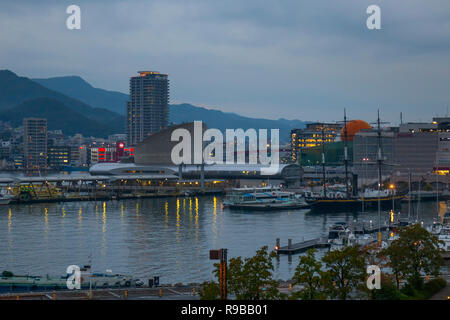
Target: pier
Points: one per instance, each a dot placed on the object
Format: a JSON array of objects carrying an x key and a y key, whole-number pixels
[
  {"x": 85, "y": 187},
  {"x": 293, "y": 248}
]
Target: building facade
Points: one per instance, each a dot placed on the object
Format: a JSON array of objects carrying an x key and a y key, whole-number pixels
[
  {"x": 443, "y": 154},
  {"x": 58, "y": 156},
  {"x": 416, "y": 151},
  {"x": 103, "y": 154},
  {"x": 148, "y": 108},
  {"x": 312, "y": 136},
  {"x": 35, "y": 143}
]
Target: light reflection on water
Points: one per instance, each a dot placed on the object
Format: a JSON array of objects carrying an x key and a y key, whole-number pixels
[{"x": 168, "y": 237}]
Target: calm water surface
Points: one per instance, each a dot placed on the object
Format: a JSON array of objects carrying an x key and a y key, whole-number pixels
[{"x": 170, "y": 238}]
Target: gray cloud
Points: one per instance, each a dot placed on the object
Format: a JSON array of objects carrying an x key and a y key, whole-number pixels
[{"x": 279, "y": 58}]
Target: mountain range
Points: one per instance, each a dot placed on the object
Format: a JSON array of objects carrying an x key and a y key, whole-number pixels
[
  {"x": 21, "y": 97},
  {"x": 73, "y": 105}
]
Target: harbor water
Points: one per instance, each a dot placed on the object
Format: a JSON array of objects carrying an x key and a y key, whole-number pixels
[{"x": 167, "y": 237}]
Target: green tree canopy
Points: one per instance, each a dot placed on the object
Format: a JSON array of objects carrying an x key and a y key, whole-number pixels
[
  {"x": 414, "y": 253},
  {"x": 346, "y": 271},
  {"x": 309, "y": 274},
  {"x": 248, "y": 279}
]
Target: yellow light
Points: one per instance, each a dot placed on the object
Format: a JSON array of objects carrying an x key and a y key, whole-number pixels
[
  {"x": 392, "y": 215},
  {"x": 391, "y": 186}
]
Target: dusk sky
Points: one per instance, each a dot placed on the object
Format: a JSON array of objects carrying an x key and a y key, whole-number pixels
[{"x": 294, "y": 59}]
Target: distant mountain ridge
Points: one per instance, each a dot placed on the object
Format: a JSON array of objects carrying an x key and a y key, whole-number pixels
[
  {"x": 226, "y": 120},
  {"x": 76, "y": 87},
  {"x": 22, "y": 97}
]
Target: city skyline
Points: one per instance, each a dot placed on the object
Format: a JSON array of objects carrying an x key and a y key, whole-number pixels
[{"x": 292, "y": 60}]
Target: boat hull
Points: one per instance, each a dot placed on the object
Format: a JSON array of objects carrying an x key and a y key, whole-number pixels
[
  {"x": 335, "y": 205},
  {"x": 268, "y": 206}
]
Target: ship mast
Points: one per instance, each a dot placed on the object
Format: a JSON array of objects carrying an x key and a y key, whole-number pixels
[
  {"x": 346, "y": 154},
  {"x": 379, "y": 162},
  {"x": 323, "y": 162}
]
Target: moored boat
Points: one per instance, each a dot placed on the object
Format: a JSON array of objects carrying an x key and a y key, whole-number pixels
[{"x": 263, "y": 198}]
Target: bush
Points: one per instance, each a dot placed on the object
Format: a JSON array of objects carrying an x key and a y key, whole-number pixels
[
  {"x": 411, "y": 293},
  {"x": 7, "y": 274},
  {"x": 209, "y": 291},
  {"x": 434, "y": 286},
  {"x": 387, "y": 292}
]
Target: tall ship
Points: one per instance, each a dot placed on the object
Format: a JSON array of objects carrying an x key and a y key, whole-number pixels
[
  {"x": 342, "y": 200},
  {"x": 263, "y": 198}
]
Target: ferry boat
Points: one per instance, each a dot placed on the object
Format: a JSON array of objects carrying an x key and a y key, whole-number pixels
[{"x": 263, "y": 198}]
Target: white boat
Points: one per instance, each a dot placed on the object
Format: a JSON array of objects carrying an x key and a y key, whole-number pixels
[
  {"x": 340, "y": 236},
  {"x": 6, "y": 199},
  {"x": 263, "y": 198},
  {"x": 435, "y": 228},
  {"x": 444, "y": 236},
  {"x": 104, "y": 280}
]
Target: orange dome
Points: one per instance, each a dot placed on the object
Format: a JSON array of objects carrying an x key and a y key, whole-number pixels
[{"x": 353, "y": 127}]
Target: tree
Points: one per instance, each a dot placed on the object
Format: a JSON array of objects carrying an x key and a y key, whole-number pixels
[
  {"x": 394, "y": 254},
  {"x": 388, "y": 290},
  {"x": 346, "y": 271},
  {"x": 209, "y": 290},
  {"x": 309, "y": 274},
  {"x": 251, "y": 279},
  {"x": 414, "y": 253}
]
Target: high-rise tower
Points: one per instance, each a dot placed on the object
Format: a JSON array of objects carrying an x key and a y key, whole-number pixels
[
  {"x": 148, "y": 108},
  {"x": 35, "y": 143}
]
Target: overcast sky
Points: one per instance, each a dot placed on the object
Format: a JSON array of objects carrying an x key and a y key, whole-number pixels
[{"x": 281, "y": 58}]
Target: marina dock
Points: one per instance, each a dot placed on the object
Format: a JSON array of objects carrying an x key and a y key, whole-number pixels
[{"x": 293, "y": 248}]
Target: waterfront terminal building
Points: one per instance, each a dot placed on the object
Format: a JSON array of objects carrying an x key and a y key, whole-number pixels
[{"x": 152, "y": 157}]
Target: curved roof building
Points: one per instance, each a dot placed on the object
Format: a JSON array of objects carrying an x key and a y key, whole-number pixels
[{"x": 152, "y": 157}]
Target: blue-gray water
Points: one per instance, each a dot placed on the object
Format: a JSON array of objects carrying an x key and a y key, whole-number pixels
[{"x": 170, "y": 238}]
